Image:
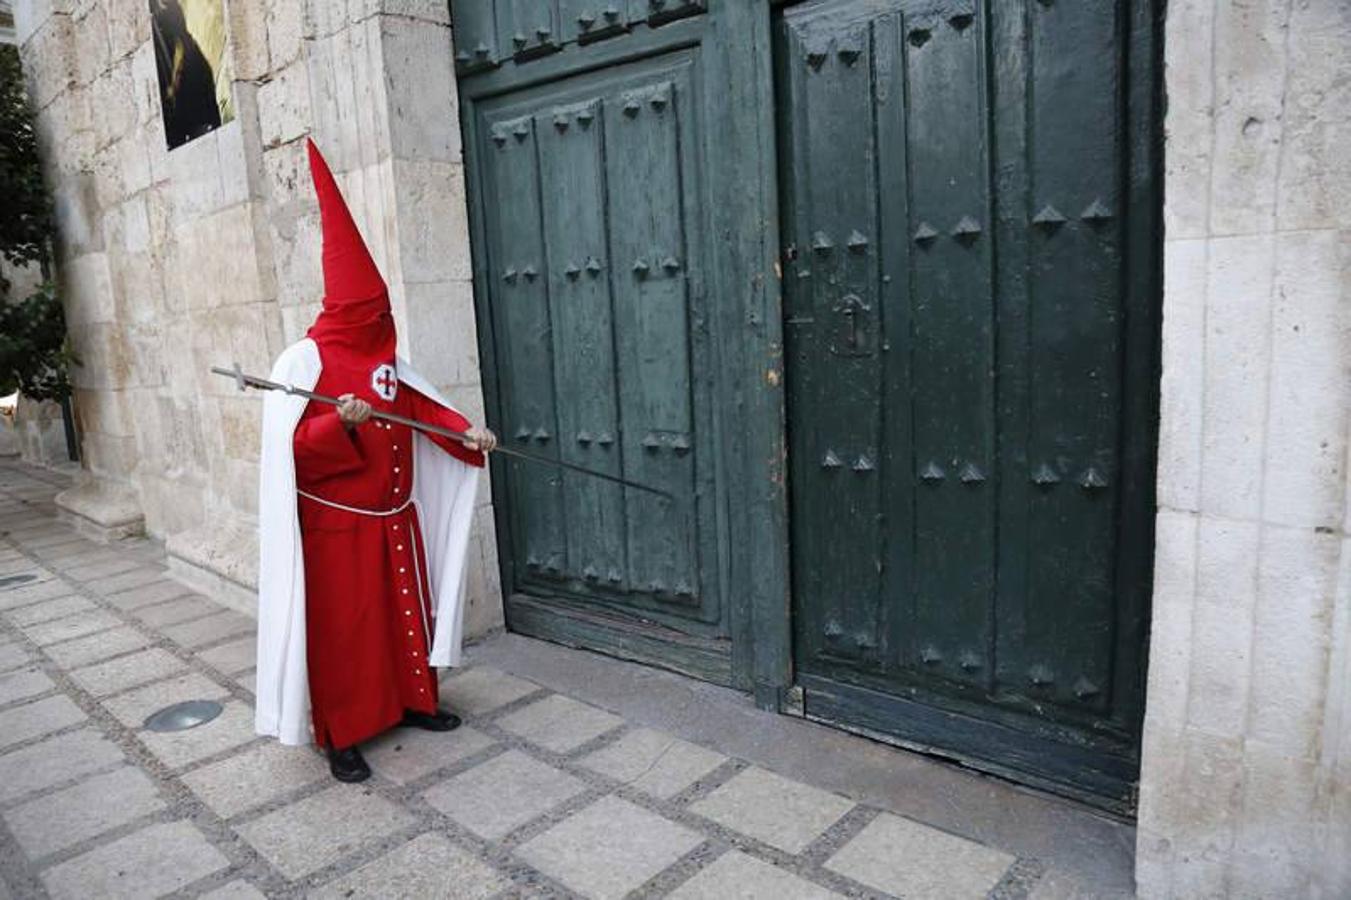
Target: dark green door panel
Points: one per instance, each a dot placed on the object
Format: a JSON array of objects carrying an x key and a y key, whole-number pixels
[
  {"x": 620, "y": 246},
  {"x": 970, "y": 222}
]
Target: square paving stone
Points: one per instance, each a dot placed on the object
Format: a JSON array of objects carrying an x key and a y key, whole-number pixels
[
  {"x": 559, "y": 723},
  {"x": 739, "y": 876},
  {"x": 407, "y": 754},
  {"x": 255, "y": 777},
  {"x": 97, "y": 647},
  {"x": 149, "y": 594},
  {"x": 22, "y": 685},
  {"x": 428, "y": 866},
  {"x": 232, "y": 658},
  {"x": 498, "y": 796},
  {"x": 13, "y": 656},
  {"x": 1057, "y": 885},
  {"x": 114, "y": 675},
  {"x": 655, "y": 763},
  {"x": 132, "y": 708},
  {"x": 781, "y": 812},
  {"x": 232, "y": 728},
  {"x": 135, "y": 578},
  {"x": 57, "y": 608},
  {"x": 908, "y": 859},
  {"x": 483, "y": 689},
  {"x": 152, "y": 862},
  {"x": 41, "y": 717},
  {"x": 235, "y": 890},
  {"x": 54, "y": 761},
  {"x": 100, "y": 570},
  {"x": 64, "y": 818},
  {"x": 31, "y": 593},
  {"x": 54, "y": 632},
  {"x": 210, "y": 630},
  {"x": 320, "y": 830},
  {"x": 609, "y": 849},
  {"x": 183, "y": 609}
]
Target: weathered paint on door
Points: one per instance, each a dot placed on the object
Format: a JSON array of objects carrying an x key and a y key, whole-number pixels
[
  {"x": 969, "y": 216},
  {"x": 621, "y": 169}
]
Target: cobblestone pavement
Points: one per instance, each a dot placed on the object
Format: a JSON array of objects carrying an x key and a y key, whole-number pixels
[{"x": 538, "y": 795}]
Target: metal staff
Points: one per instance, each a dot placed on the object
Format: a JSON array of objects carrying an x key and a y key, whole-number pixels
[{"x": 253, "y": 381}]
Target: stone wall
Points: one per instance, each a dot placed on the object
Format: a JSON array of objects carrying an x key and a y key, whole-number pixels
[
  {"x": 172, "y": 262},
  {"x": 1246, "y": 788}
]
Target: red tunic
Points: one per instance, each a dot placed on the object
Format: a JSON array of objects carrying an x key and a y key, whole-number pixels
[{"x": 368, "y": 601}]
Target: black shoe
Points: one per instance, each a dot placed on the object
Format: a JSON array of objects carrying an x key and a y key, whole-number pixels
[
  {"x": 348, "y": 765},
  {"x": 437, "y": 721}
]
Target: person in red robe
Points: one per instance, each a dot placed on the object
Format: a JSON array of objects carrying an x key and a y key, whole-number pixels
[{"x": 369, "y": 610}]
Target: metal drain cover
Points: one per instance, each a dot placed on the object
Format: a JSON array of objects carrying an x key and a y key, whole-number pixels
[
  {"x": 182, "y": 716},
  {"x": 12, "y": 580}
]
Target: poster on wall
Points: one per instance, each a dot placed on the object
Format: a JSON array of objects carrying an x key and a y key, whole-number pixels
[{"x": 194, "y": 70}]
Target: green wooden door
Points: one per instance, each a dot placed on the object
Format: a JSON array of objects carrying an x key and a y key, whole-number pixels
[
  {"x": 969, "y": 213},
  {"x": 620, "y": 158}
]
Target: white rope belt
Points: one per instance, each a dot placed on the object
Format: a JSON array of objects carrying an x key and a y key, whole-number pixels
[{"x": 353, "y": 509}]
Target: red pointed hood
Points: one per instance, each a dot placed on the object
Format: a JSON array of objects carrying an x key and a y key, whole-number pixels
[{"x": 356, "y": 318}]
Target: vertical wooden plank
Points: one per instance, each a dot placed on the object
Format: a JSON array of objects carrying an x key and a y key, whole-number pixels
[
  {"x": 526, "y": 28},
  {"x": 953, "y": 351},
  {"x": 651, "y": 261},
  {"x": 570, "y": 141},
  {"x": 516, "y": 265},
  {"x": 1074, "y": 159},
  {"x": 837, "y": 448},
  {"x": 474, "y": 32},
  {"x": 895, "y": 249}
]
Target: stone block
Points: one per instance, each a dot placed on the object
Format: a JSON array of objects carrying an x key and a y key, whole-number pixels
[
  {"x": 443, "y": 333},
  {"x": 319, "y": 830},
  {"x": 46, "y": 588},
  {"x": 1188, "y": 123},
  {"x": 482, "y": 689},
  {"x": 417, "y": 61},
  {"x": 38, "y": 719},
  {"x": 428, "y": 866},
  {"x": 1297, "y": 575},
  {"x": 498, "y": 796},
  {"x": 285, "y": 29},
  {"x": 248, "y": 40},
  {"x": 609, "y": 848},
  {"x": 96, "y": 647},
  {"x": 783, "y": 813},
  {"x": 432, "y": 11},
  {"x": 232, "y": 728},
  {"x": 654, "y": 763},
  {"x": 45, "y": 633},
  {"x": 137, "y": 596},
  {"x": 99, "y": 508},
  {"x": 1171, "y": 628},
  {"x": 406, "y": 754},
  {"x": 908, "y": 859},
  {"x": 106, "y": 678},
  {"x": 559, "y": 723},
  {"x": 735, "y": 874},
  {"x": 1220, "y": 659},
  {"x": 49, "y": 59},
  {"x": 1182, "y": 382},
  {"x": 55, "y": 761},
  {"x": 113, "y": 104},
  {"x": 23, "y": 685},
  {"x": 145, "y": 88},
  {"x": 31, "y": 15},
  {"x": 284, "y": 105},
  {"x": 1250, "y": 62},
  {"x": 1274, "y": 852},
  {"x": 183, "y": 609},
  {"x": 260, "y": 775},
  {"x": 153, "y": 862},
  {"x": 1237, "y": 362},
  {"x": 89, "y": 26},
  {"x": 134, "y": 707},
  {"x": 1315, "y": 177},
  {"x": 98, "y": 804},
  {"x": 13, "y": 656},
  {"x": 87, "y": 289}
]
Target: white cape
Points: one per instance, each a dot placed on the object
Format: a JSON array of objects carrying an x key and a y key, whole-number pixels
[{"x": 443, "y": 491}]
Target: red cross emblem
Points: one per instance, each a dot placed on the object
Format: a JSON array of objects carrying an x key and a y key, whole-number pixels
[{"x": 385, "y": 382}]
